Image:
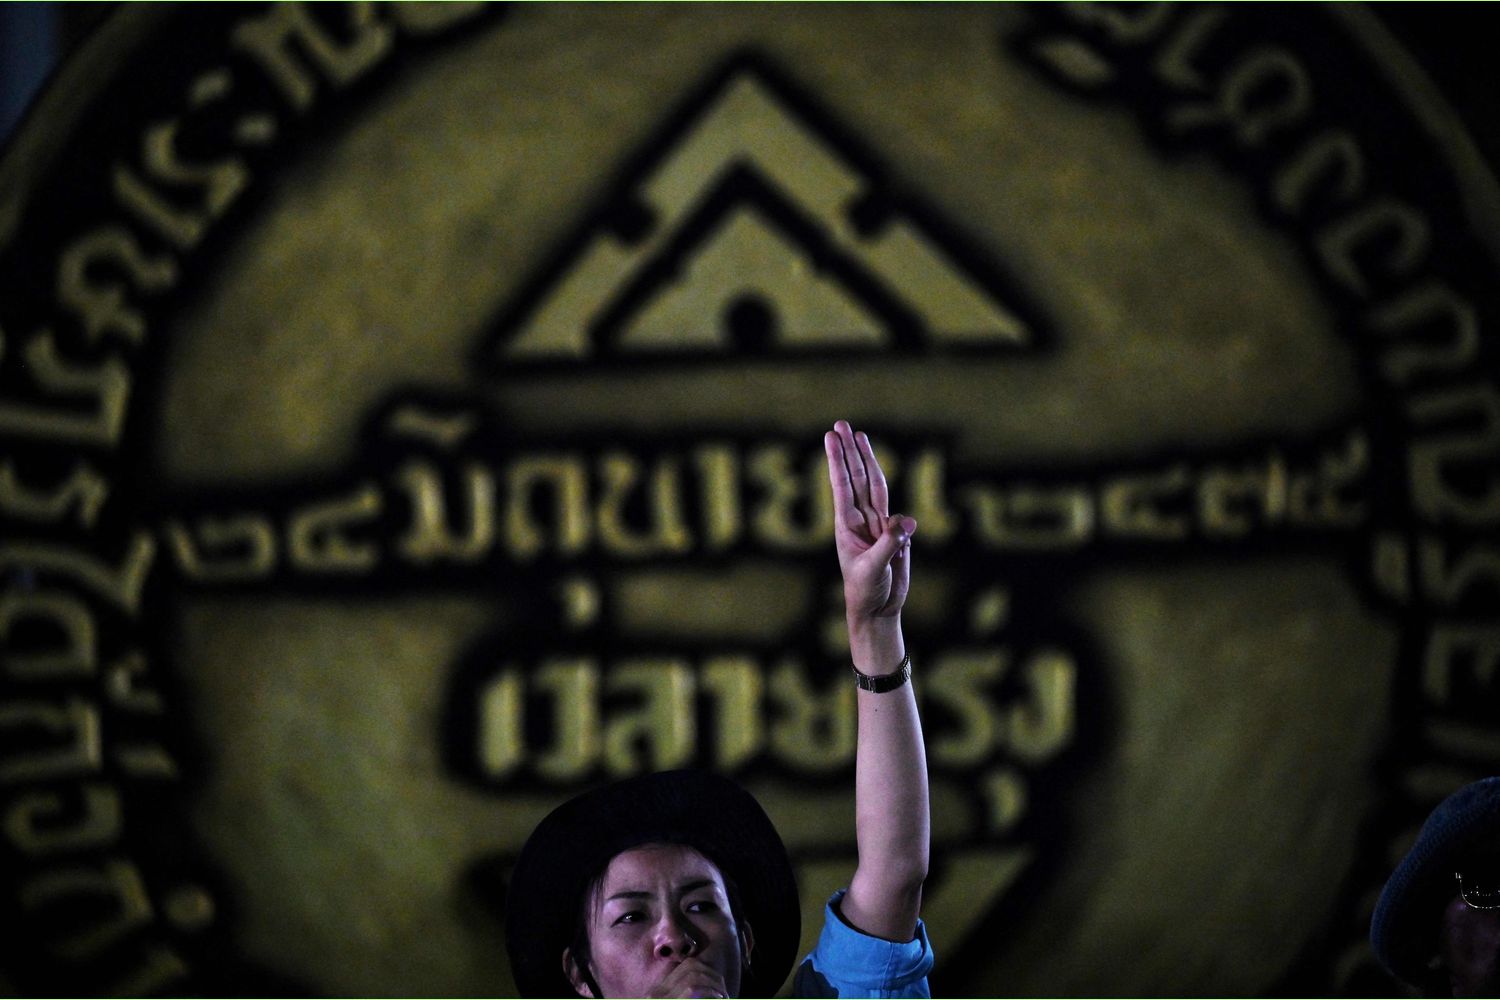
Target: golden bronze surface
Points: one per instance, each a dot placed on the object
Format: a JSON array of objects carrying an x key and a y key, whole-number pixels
[{"x": 410, "y": 415}]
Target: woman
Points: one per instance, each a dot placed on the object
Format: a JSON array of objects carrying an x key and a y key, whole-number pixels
[{"x": 677, "y": 885}]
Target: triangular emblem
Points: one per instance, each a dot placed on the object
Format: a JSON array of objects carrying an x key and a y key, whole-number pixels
[{"x": 746, "y": 230}]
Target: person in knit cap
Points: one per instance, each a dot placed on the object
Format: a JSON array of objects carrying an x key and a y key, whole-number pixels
[
  {"x": 1437, "y": 924},
  {"x": 677, "y": 884}
]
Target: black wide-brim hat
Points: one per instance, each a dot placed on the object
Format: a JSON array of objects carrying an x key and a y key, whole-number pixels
[
  {"x": 1404, "y": 930},
  {"x": 574, "y": 844}
]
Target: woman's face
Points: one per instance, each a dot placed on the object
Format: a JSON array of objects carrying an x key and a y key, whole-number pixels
[
  {"x": 1470, "y": 940},
  {"x": 660, "y": 925}
]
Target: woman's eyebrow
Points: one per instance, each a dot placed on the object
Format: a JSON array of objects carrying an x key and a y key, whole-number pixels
[{"x": 692, "y": 885}]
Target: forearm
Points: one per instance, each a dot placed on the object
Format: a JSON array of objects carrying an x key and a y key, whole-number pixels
[
  {"x": 892, "y": 824},
  {"x": 890, "y": 771}
]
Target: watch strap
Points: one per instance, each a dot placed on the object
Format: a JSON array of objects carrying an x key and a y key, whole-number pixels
[{"x": 881, "y": 683}]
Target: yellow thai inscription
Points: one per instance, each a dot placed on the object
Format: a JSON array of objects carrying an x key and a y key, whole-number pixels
[
  {"x": 431, "y": 537},
  {"x": 77, "y": 819},
  {"x": 89, "y": 285},
  {"x": 70, "y": 734},
  {"x": 73, "y": 652}
]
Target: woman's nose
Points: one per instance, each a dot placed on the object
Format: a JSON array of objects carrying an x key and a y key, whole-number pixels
[{"x": 675, "y": 937}]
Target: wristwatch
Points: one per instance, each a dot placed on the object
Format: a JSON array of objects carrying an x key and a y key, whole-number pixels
[{"x": 881, "y": 683}]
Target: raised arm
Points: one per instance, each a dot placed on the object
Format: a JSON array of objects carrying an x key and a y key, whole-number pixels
[{"x": 892, "y": 823}]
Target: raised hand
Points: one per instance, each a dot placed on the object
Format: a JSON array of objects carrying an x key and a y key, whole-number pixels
[
  {"x": 874, "y": 546},
  {"x": 891, "y": 812}
]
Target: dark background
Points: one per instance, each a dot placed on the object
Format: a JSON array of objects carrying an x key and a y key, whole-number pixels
[{"x": 1455, "y": 45}]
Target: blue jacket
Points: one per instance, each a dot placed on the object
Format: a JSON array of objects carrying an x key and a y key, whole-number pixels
[{"x": 849, "y": 963}]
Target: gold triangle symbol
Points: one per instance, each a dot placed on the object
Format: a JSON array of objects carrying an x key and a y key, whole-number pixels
[{"x": 752, "y": 237}]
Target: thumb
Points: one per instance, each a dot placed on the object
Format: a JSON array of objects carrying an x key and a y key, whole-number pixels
[{"x": 898, "y": 531}]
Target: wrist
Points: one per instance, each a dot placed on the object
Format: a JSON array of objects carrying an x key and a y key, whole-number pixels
[{"x": 876, "y": 644}]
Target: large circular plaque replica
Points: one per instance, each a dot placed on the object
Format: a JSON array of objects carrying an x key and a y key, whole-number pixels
[{"x": 410, "y": 415}]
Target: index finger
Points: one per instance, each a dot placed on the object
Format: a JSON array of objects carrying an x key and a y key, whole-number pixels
[
  {"x": 859, "y": 476},
  {"x": 844, "y": 510}
]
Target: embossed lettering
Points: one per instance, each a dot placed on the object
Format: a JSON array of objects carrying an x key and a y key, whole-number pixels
[
  {"x": 72, "y": 731},
  {"x": 317, "y": 538},
  {"x": 1232, "y": 502},
  {"x": 113, "y": 892},
  {"x": 668, "y": 534},
  {"x": 1122, "y": 24},
  {"x": 120, "y": 585},
  {"x": 1444, "y": 467},
  {"x": 961, "y": 683},
  {"x": 1382, "y": 241},
  {"x": 1322, "y": 497},
  {"x": 502, "y": 744},
  {"x": 567, "y": 479},
  {"x": 1431, "y": 308},
  {"x": 102, "y": 305},
  {"x": 813, "y": 731},
  {"x": 1471, "y": 652},
  {"x": 216, "y": 185},
  {"x": 926, "y": 485},
  {"x": 431, "y": 538},
  {"x": 1005, "y": 796},
  {"x": 123, "y": 692},
  {"x": 428, "y": 17},
  {"x": 237, "y": 547},
  {"x": 574, "y": 687},
  {"x": 52, "y": 822},
  {"x": 73, "y": 653},
  {"x": 1332, "y": 158},
  {"x": 81, "y": 494},
  {"x": 1031, "y": 517},
  {"x": 1390, "y": 566},
  {"x": 719, "y": 484},
  {"x": 1265, "y": 91},
  {"x": 1132, "y": 504},
  {"x": 1174, "y": 63},
  {"x": 106, "y": 385},
  {"x": 275, "y": 39},
  {"x": 659, "y": 733},
  {"x": 1452, "y": 578},
  {"x": 157, "y": 970},
  {"x": 774, "y": 517},
  {"x": 736, "y": 686},
  {"x": 1038, "y": 729}
]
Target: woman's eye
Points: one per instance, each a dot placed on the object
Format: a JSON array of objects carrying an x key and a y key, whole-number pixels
[
  {"x": 629, "y": 917},
  {"x": 703, "y": 906}
]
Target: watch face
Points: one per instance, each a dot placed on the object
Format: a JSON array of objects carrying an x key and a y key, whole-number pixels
[{"x": 411, "y": 415}]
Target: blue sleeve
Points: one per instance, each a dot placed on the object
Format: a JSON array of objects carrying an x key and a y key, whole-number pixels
[{"x": 848, "y": 963}]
